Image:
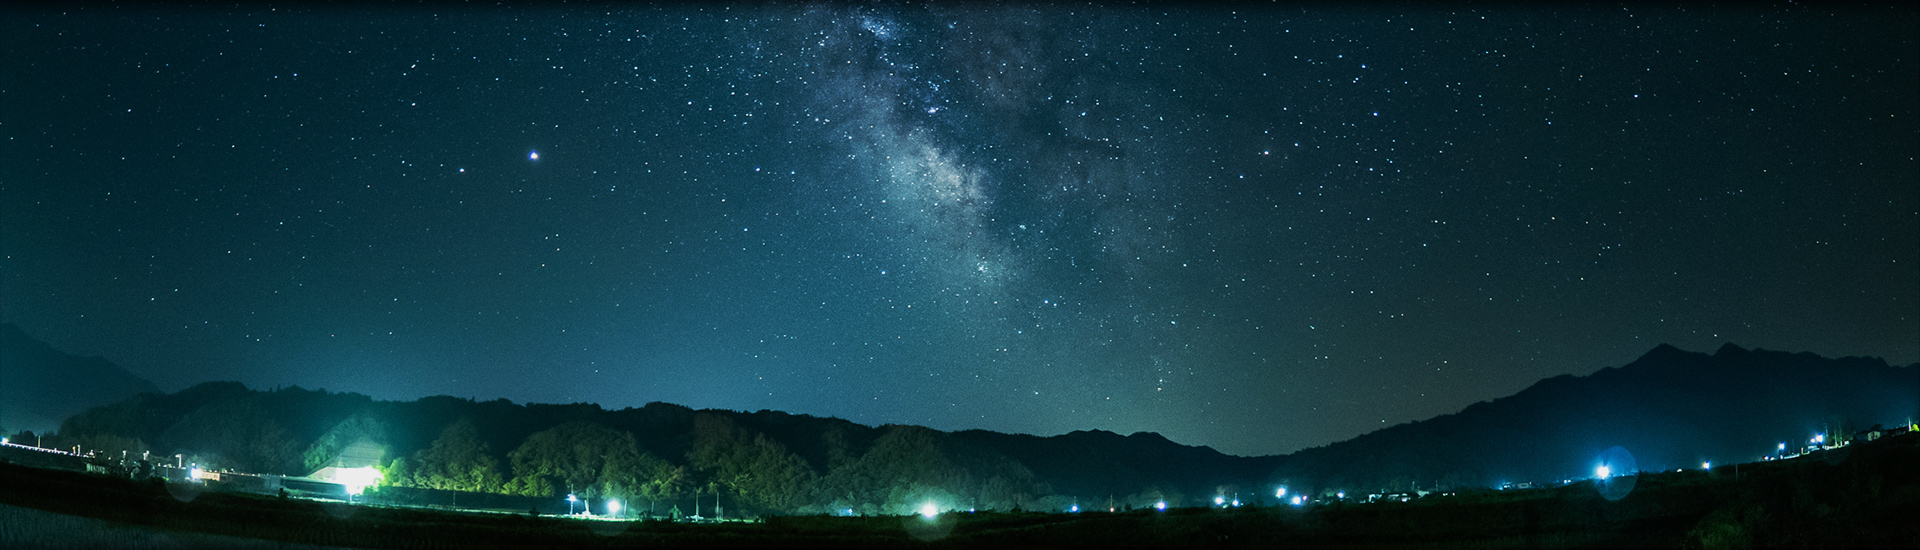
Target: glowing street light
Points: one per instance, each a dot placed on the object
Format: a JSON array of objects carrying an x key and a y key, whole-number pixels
[
  {"x": 1074, "y": 509},
  {"x": 1297, "y": 500},
  {"x": 1602, "y": 472},
  {"x": 1706, "y": 465},
  {"x": 613, "y": 507},
  {"x": 1280, "y": 493},
  {"x": 570, "y": 501},
  {"x": 1219, "y": 501},
  {"x": 1161, "y": 506},
  {"x": 928, "y": 510}
]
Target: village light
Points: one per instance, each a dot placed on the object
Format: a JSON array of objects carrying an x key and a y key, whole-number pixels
[
  {"x": 1281, "y": 492},
  {"x": 928, "y": 510},
  {"x": 1161, "y": 506},
  {"x": 1706, "y": 465},
  {"x": 1602, "y": 472},
  {"x": 357, "y": 480},
  {"x": 613, "y": 507},
  {"x": 1219, "y": 501},
  {"x": 570, "y": 501}
]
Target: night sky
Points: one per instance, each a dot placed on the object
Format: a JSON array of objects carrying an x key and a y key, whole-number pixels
[{"x": 1258, "y": 229}]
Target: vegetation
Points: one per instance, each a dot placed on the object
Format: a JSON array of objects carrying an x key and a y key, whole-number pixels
[
  {"x": 665, "y": 455},
  {"x": 457, "y": 461},
  {"x": 1864, "y": 496},
  {"x": 774, "y": 463}
]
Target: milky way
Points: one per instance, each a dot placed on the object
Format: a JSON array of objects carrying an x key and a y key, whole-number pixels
[{"x": 1257, "y": 229}]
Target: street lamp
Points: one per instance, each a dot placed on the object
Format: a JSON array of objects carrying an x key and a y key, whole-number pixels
[
  {"x": 613, "y": 507},
  {"x": 1161, "y": 506},
  {"x": 1602, "y": 472},
  {"x": 570, "y": 501}
]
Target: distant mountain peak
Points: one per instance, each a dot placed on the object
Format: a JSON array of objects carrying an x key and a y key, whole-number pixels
[
  {"x": 1671, "y": 408},
  {"x": 40, "y": 386},
  {"x": 1153, "y": 437},
  {"x": 1665, "y": 352},
  {"x": 1729, "y": 350}
]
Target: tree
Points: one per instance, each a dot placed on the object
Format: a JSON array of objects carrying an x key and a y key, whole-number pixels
[
  {"x": 582, "y": 457},
  {"x": 234, "y": 433},
  {"x": 661, "y": 480},
  {"x": 758, "y": 471},
  {"x": 909, "y": 465},
  {"x": 457, "y": 461}
]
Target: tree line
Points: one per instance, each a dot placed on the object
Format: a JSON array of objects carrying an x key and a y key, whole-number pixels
[{"x": 764, "y": 462}]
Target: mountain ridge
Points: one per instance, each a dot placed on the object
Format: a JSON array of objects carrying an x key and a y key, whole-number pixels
[
  {"x": 41, "y": 385},
  {"x": 1678, "y": 408},
  {"x": 1671, "y": 406}
]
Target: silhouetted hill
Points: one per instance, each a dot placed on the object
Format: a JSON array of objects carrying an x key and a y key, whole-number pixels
[
  {"x": 1670, "y": 408},
  {"x": 40, "y": 386},
  {"x": 1100, "y": 463},
  {"x": 761, "y": 461}
]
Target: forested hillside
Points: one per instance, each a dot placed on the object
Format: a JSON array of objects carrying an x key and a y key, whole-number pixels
[
  {"x": 1671, "y": 408},
  {"x": 760, "y": 462}
]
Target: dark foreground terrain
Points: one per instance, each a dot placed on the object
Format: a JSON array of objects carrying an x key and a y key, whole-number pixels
[{"x": 1863, "y": 496}]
